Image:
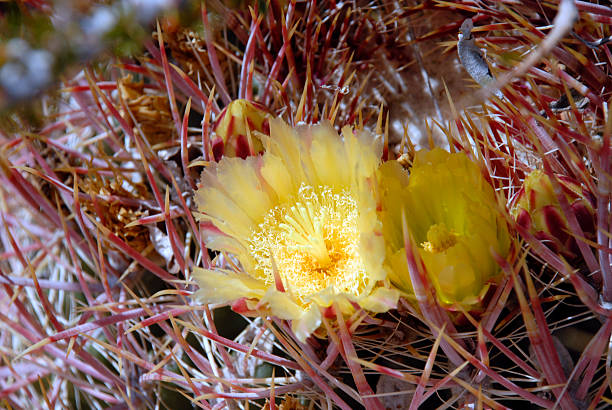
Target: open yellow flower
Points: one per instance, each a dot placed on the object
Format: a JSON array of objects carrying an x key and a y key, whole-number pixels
[
  {"x": 302, "y": 222},
  {"x": 453, "y": 216}
]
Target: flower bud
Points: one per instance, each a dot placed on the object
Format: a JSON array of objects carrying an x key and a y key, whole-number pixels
[
  {"x": 232, "y": 138},
  {"x": 537, "y": 209}
]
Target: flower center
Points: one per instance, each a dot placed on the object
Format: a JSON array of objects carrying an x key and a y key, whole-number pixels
[
  {"x": 439, "y": 239},
  {"x": 314, "y": 242}
]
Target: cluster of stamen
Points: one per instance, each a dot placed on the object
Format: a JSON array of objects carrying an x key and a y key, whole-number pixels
[
  {"x": 312, "y": 242},
  {"x": 439, "y": 238}
]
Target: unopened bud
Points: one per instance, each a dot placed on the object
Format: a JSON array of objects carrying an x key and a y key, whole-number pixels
[
  {"x": 537, "y": 209},
  {"x": 235, "y": 124}
]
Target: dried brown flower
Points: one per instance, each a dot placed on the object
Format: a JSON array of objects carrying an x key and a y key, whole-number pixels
[{"x": 151, "y": 111}]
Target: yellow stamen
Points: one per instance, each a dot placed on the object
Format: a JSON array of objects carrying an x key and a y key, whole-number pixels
[
  {"x": 439, "y": 239},
  {"x": 314, "y": 240}
]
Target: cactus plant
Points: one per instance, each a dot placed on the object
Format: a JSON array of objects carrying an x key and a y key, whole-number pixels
[{"x": 122, "y": 220}]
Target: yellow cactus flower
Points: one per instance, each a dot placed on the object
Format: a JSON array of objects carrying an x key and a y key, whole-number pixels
[
  {"x": 235, "y": 124},
  {"x": 302, "y": 222},
  {"x": 453, "y": 216}
]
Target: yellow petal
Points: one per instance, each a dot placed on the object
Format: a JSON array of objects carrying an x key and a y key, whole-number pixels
[
  {"x": 282, "y": 304},
  {"x": 380, "y": 300},
  {"x": 306, "y": 324},
  {"x": 362, "y": 153},
  {"x": 240, "y": 180},
  {"x": 398, "y": 270},
  {"x": 287, "y": 145},
  {"x": 278, "y": 177},
  {"x": 218, "y": 286}
]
